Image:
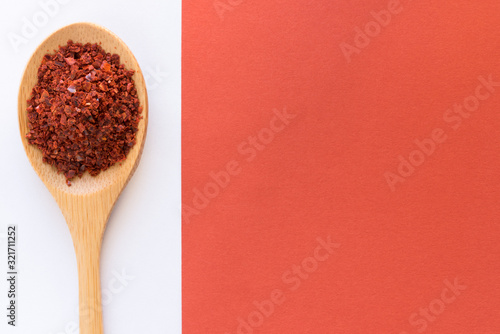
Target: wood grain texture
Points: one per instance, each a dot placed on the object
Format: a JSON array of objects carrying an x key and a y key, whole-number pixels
[{"x": 87, "y": 204}]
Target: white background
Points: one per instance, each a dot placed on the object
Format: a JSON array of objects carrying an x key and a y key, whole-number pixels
[{"x": 143, "y": 238}]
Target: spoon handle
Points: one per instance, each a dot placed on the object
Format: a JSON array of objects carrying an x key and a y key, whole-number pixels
[
  {"x": 89, "y": 288},
  {"x": 86, "y": 217}
]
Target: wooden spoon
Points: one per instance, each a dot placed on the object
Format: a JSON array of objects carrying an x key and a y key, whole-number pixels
[{"x": 87, "y": 204}]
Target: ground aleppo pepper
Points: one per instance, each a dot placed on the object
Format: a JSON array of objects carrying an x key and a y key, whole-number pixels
[{"x": 84, "y": 110}]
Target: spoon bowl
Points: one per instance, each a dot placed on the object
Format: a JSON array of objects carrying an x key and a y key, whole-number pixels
[{"x": 87, "y": 204}]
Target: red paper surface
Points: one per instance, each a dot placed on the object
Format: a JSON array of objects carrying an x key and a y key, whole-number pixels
[{"x": 337, "y": 182}]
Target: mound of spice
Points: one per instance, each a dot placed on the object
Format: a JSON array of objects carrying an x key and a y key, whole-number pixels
[{"x": 84, "y": 111}]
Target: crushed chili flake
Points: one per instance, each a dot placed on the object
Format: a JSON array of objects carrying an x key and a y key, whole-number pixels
[{"x": 84, "y": 112}]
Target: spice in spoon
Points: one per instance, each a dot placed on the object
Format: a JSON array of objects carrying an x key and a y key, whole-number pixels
[{"x": 84, "y": 111}]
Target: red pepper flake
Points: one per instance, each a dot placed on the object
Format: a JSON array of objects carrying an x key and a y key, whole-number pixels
[
  {"x": 84, "y": 112},
  {"x": 70, "y": 61},
  {"x": 87, "y": 86},
  {"x": 106, "y": 66},
  {"x": 63, "y": 119}
]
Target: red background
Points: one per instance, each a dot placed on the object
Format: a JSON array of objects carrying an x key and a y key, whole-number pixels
[{"x": 323, "y": 175}]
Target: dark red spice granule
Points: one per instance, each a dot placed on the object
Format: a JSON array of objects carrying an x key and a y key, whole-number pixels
[{"x": 84, "y": 111}]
